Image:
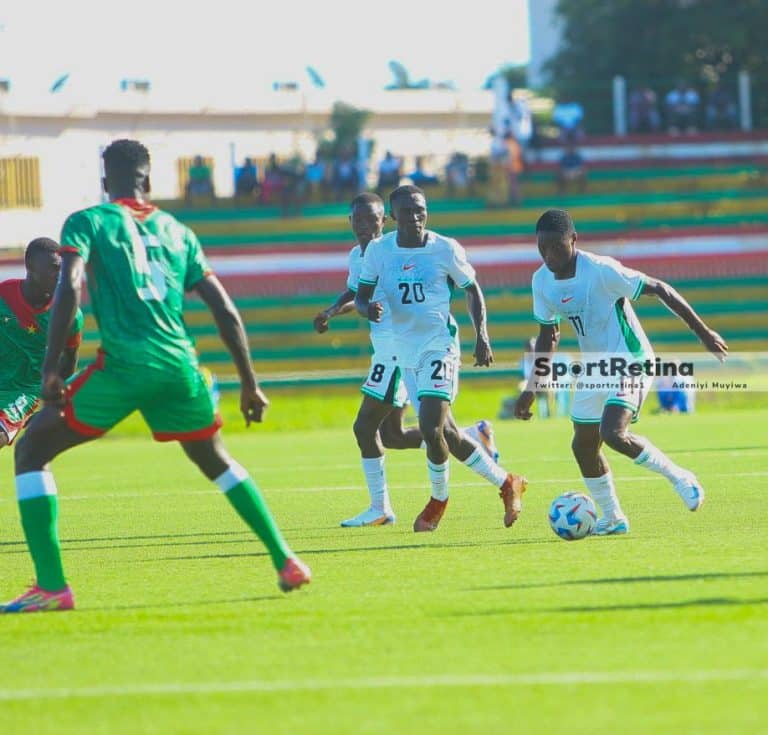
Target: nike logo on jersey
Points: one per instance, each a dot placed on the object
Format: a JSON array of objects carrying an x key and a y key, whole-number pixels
[
  {"x": 409, "y": 267},
  {"x": 440, "y": 385},
  {"x": 371, "y": 385},
  {"x": 565, "y": 301}
]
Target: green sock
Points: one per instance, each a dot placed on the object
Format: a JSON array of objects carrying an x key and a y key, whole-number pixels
[
  {"x": 252, "y": 508},
  {"x": 39, "y": 517}
]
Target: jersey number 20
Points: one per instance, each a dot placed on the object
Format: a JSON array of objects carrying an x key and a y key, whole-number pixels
[{"x": 411, "y": 292}]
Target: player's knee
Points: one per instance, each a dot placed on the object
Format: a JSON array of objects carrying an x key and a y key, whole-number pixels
[
  {"x": 432, "y": 433},
  {"x": 615, "y": 437},
  {"x": 364, "y": 430},
  {"x": 392, "y": 437},
  {"x": 584, "y": 448}
]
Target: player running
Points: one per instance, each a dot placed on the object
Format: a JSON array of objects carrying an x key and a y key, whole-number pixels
[
  {"x": 24, "y": 314},
  {"x": 379, "y": 421},
  {"x": 140, "y": 262},
  {"x": 412, "y": 268},
  {"x": 593, "y": 293}
]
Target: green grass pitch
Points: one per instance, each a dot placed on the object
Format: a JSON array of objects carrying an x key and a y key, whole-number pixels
[{"x": 180, "y": 627}]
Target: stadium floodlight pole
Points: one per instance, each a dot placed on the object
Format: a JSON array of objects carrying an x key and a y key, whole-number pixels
[
  {"x": 745, "y": 101},
  {"x": 619, "y": 106}
]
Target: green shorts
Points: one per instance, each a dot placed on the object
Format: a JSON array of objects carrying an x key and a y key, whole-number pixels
[
  {"x": 176, "y": 404},
  {"x": 16, "y": 408}
]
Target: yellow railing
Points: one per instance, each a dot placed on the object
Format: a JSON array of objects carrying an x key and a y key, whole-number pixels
[
  {"x": 20, "y": 183},
  {"x": 182, "y": 167}
]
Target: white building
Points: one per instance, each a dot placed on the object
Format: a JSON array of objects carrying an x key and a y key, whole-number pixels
[{"x": 62, "y": 137}]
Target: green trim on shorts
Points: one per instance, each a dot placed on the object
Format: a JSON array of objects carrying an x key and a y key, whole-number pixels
[
  {"x": 547, "y": 322},
  {"x": 367, "y": 283},
  {"x": 434, "y": 394},
  {"x": 617, "y": 402},
  {"x": 585, "y": 421},
  {"x": 377, "y": 397}
]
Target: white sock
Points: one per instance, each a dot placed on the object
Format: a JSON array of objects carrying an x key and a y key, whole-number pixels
[
  {"x": 484, "y": 466},
  {"x": 603, "y": 491},
  {"x": 376, "y": 479},
  {"x": 438, "y": 476},
  {"x": 653, "y": 459}
]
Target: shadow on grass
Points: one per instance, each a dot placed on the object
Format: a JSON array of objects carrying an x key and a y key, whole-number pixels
[
  {"x": 353, "y": 549},
  {"x": 627, "y": 607},
  {"x": 688, "y": 577},
  {"x": 163, "y": 605},
  {"x": 716, "y": 449}
]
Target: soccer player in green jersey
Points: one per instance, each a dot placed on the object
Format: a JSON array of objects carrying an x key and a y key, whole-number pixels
[
  {"x": 24, "y": 313},
  {"x": 140, "y": 261}
]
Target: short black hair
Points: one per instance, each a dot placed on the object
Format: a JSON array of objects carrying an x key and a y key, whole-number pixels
[
  {"x": 555, "y": 220},
  {"x": 39, "y": 246},
  {"x": 367, "y": 197},
  {"x": 123, "y": 157},
  {"x": 401, "y": 191}
]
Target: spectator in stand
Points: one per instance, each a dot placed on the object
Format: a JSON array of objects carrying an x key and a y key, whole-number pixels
[
  {"x": 514, "y": 168},
  {"x": 568, "y": 116},
  {"x": 345, "y": 183},
  {"x": 315, "y": 176},
  {"x": 246, "y": 180},
  {"x": 389, "y": 173},
  {"x": 572, "y": 168},
  {"x": 421, "y": 178},
  {"x": 200, "y": 182},
  {"x": 272, "y": 185},
  {"x": 643, "y": 111},
  {"x": 682, "y": 109},
  {"x": 293, "y": 191},
  {"x": 721, "y": 109},
  {"x": 457, "y": 175},
  {"x": 498, "y": 187}
]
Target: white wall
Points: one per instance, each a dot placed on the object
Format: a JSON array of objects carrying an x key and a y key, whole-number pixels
[{"x": 69, "y": 145}]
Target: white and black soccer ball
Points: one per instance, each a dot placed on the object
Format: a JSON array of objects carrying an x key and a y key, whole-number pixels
[{"x": 572, "y": 516}]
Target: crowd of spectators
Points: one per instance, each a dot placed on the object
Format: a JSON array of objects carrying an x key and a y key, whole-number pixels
[
  {"x": 682, "y": 112},
  {"x": 514, "y": 140}
]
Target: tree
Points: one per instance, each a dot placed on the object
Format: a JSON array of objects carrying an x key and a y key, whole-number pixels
[
  {"x": 516, "y": 77},
  {"x": 347, "y": 123},
  {"x": 656, "y": 42}
]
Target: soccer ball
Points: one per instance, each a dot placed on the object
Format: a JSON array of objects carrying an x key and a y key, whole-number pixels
[{"x": 572, "y": 516}]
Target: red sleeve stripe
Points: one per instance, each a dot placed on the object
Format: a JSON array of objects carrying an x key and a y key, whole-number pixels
[{"x": 69, "y": 249}]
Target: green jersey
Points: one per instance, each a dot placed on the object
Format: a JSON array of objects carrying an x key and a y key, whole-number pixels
[
  {"x": 140, "y": 261},
  {"x": 23, "y": 334}
]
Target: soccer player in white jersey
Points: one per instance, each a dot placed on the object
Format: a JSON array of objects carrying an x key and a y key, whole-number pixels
[
  {"x": 412, "y": 269},
  {"x": 593, "y": 293},
  {"x": 379, "y": 421}
]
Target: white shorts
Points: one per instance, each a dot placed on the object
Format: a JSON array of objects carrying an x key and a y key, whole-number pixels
[
  {"x": 588, "y": 404},
  {"x": 385, "y": 382},
  {"x": 437, "y": 375}
]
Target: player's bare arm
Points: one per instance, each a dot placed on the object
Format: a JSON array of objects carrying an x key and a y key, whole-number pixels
[
  {"x": 371, "y": 311},
  {"x": 677, "y": 304},
  {"x": 66, "y": 302},
  {"x": 253, "y": 402},
  {"x": 476, "y": 305},
  {"x": 343, "y": 305},
  {"x": 546, "y": 344},
  {"x": 68, "y": 362}
]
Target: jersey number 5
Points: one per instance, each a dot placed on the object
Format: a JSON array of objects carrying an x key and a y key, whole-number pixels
[
  {"x": 156, "y": 287},
  {"x": 411, "y": 292}
]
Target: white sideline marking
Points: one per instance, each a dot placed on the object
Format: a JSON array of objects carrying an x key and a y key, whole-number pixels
[
  {"x": 564, "y": 678},
  {"x": 359, "y": 486}
]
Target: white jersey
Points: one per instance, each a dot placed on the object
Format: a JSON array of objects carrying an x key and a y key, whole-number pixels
[
  {"x": 596, "y": 303},
  {"x": 415, "y": 285},
  {"x": 381, "y": 332}
]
